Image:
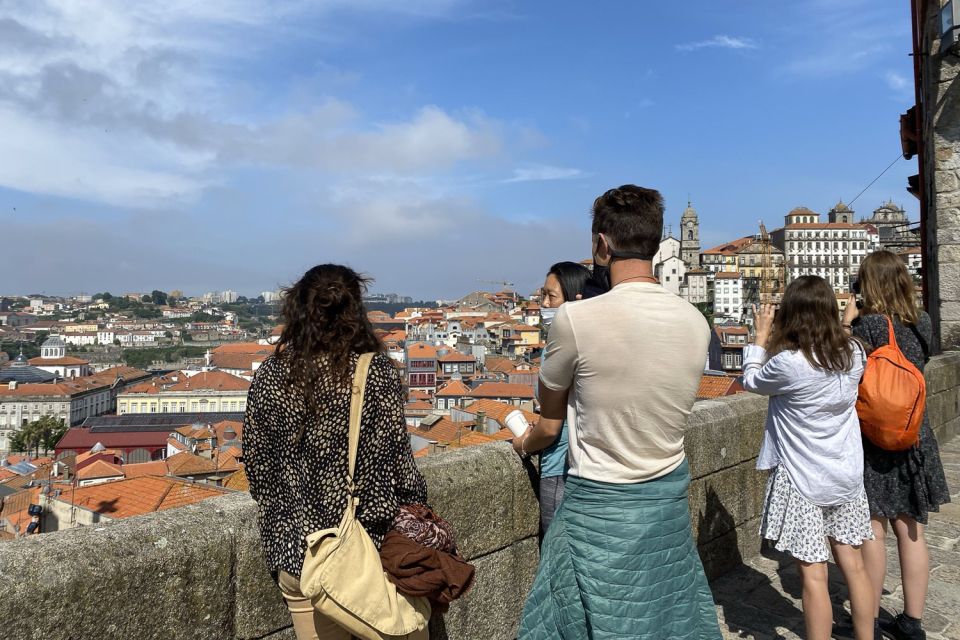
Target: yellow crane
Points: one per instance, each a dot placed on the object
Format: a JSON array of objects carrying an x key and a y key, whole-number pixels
[{"x": 772, "y": 275}]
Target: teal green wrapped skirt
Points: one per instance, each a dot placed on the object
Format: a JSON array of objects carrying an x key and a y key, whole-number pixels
[{"x": 619, "y": 562}]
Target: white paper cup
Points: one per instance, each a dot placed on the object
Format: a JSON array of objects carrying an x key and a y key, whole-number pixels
[{"x": 517, "y": 424}]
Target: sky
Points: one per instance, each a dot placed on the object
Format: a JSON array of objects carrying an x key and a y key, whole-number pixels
[{"x": 432, "y": 144}]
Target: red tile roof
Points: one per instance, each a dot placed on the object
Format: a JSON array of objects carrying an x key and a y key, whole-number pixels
[
  {"x": 456, "y": 356},
  {"x": 718, "y": 386},
  {"x": 188, "y": 464},
  {"x": 454, "y": 388},
  {"x": 100, "y": 469},
  {"x": 502, "y": 390},
  {"x": 499, "y": 411},
  {"x": 155, "y": 468},
  {"x": 421, "y": 351},
  {"x": 730, "y": 248},
  {"x": 57, "y": 362},
  {"x": 136, "y": 496},
  {"x": 237, "y": 481},
  {"x": 728, "y": 275}
]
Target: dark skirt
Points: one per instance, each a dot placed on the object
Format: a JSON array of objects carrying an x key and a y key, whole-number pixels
[{"x": 905, "y": 483}]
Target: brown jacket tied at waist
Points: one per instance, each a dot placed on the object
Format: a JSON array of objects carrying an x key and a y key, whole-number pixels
[{"x": 420, "y": 571}]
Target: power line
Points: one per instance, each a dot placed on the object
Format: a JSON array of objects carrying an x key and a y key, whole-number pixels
[{"x": 895, "y": 161}]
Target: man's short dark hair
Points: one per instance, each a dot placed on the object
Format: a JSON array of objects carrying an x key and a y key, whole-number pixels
[{"x": 631, "y": 218}]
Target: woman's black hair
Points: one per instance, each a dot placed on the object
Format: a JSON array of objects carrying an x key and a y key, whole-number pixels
[{"x": 572, "y": 277}]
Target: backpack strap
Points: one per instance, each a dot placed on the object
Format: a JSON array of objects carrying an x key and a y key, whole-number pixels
[{"x": 892, "y": 336}]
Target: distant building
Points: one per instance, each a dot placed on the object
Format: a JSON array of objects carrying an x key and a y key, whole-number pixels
[
  {"x": 421, "y": 360},
  {"x": 726, "y": 348},
  {"x": 72, "y": 400},
  {"x": 690, "y": 237},
  {"x": 206, "y": 392},
  {"x": 54, "y": 358},
  {"x": 728, "y": 295},
  {"x": 831, "y": 250},
  {"x": 229, "y": 296},
  {"x": 698, "y": 287},
  {"x": 914, "y": 260}
]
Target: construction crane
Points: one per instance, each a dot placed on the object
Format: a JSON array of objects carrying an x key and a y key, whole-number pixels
[
  {"x": 772, "y": 276},
  {"x": 503, "y": 283}
]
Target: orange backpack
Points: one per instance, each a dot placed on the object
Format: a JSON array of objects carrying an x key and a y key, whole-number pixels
[{"x": 892, "y": 399}]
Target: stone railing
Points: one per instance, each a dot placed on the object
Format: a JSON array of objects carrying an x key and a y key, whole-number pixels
[{"x": 197, "y": 572}]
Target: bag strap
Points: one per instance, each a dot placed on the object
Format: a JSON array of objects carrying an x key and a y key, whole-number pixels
[
  {"x": 923, "y": 343},
  {"x": 893, "y": 338},
  {"x": 356, "y": 409}
]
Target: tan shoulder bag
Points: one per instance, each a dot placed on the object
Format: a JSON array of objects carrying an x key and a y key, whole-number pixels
[{"x": 342, "y": 572}]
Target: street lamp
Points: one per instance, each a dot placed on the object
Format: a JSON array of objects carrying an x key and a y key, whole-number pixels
[{"x": 949, "y": 24}]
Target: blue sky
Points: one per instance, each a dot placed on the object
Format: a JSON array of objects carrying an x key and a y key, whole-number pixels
[{"x": 429, "y": 143}]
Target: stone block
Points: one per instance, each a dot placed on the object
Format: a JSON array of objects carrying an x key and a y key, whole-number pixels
[
  {"x": 723, "y": 433},
  {"x": 259, "y": 608},
  {"x": 486, "y": 493},
  {"x": 950, "y": 335},
  {"x": 166, "y": 575},
  {"x": 946, "y": 179},
  {"x": 948, "y": 254},
  {"x": 942, "y": 373},
  {"x": 492, "y": 608},
  {"x": 725, "y": 500},
  {"x": 948, "y": 217},
  {"x": 727, "y": 552}
]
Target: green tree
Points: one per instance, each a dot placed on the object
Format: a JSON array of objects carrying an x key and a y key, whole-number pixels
[
  {"x": 146, "y": 298},
  {"x": 158, "y": 297},
  {"x": 49, "y": 431},
  {"x": 707, "y": 310}
]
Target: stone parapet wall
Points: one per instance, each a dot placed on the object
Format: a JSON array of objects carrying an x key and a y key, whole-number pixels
[{"x": 197, "y": 572}]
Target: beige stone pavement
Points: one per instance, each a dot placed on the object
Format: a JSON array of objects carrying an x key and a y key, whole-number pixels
[{"x": 762, "y": 598}]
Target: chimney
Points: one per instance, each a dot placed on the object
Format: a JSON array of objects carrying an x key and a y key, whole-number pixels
[
  {"x": 481, "y": 426},
  {"x": 433, "y": 447},
  {"x": 12, "y": 385}
]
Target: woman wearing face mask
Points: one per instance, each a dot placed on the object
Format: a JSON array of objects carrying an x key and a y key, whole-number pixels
[{"x": 565, "y": 282}]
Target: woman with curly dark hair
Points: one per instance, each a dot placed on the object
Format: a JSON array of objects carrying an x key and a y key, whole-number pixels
[{"x": 296, "y": 426}]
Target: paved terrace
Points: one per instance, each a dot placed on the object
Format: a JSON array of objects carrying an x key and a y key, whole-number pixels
[
  {"x": 196, "y": 572},
  {"x": 761, "y": 598}
]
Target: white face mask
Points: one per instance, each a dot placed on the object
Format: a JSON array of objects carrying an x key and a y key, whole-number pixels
[{"x": 547, "y": 316}]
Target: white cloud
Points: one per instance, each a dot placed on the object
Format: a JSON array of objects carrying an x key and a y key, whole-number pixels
[
  {"x": 896, "y": 81},
  {"x": 544, "y": 173},
  {"x": 721, "y": 42},
  {"x": 166, "y": 82}
]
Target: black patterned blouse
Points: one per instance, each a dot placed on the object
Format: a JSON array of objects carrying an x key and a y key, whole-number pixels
[{"x": 300, "y": 486}]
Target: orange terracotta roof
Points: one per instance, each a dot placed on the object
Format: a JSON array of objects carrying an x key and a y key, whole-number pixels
[
  {"x": 155, "y": 468},
  {"x": 499, "y": 411},
  {"x": 502, "y": 390},
  {"x": 66, "y": 361},
  {"x": 718, "y": 386},
  {"x": 221, "y": 428},
  {"x": 444, "y": 430},
  {"x": 211, "y": 381},
  {"x": 188, "y": 464},
  {"x": 6, "y": 474},
  {"x": 456, "y": 356},
  {"x": 136, "y": 496},
  {"x": 728, "y": 275},
  {"x": 420, "y": 395},
  {"x": 421, "y": 351},
  {"x": 418, "y": 405},
  {"x": 730, "y": 248},
  {"x": 14, "y": 507},
  {"x": 498, "y": 364},
  {"x": 237, "y": 481},
  {"x": 454, "y": 388},
  {"x": 86, "y": 455},
  {"x": 176, "y": 444},
  {"x": 100, "y": 469}
]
